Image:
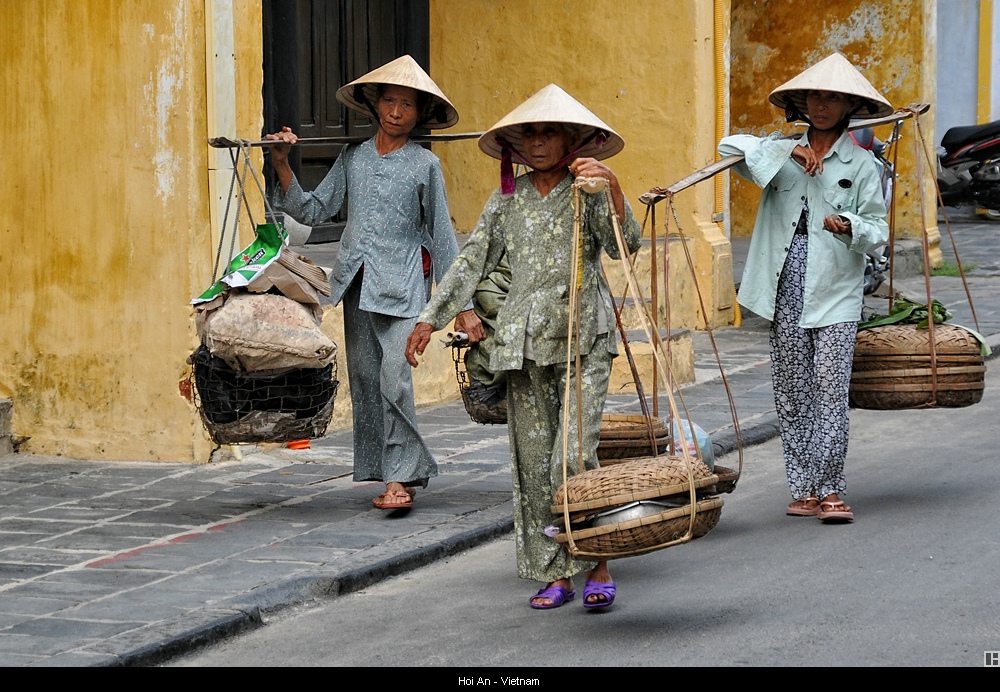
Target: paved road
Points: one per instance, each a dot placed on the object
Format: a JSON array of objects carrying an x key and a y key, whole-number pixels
[
  {"x": 111, "y": 563},
  {"x": 911, "y": 583}
]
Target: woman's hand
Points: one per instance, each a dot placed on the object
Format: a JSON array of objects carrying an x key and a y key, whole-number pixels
[
  {"x": 835, "y": 223},
  {"x": 468, "y": 322},
  {"x": 417, "y": 342},
  {"x": 807, "y": 158},
  {"x": 279, "y": 153},
  {"x": 592, "y": 168},
  {"x": 279, "y": 156}
]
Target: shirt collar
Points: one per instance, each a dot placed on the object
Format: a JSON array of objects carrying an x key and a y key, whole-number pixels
[{"x": 843, "y": 147}]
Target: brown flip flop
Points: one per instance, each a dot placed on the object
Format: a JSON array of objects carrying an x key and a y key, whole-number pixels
[
  {"x": 393, "y": 499},
  {"x": 806, "y": 507},
  {"x": 834, "y": 512}
]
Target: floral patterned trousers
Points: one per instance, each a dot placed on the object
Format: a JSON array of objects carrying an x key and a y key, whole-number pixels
[
  {"x": 811, "y": 370},
  {"x": 535, "y": 418}
]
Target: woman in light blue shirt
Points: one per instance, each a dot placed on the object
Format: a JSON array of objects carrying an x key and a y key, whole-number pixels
[
  {"x": 821, "y": 210},
  {"x": 398, "y": 232}
]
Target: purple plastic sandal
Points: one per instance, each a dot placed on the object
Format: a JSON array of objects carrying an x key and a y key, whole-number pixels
[
  {"x": 555, "y": 593},
  {"x": 596, "y": 588}
]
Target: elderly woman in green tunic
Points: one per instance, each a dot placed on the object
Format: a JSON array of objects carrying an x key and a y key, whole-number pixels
[{"x": 531, "y": 220}]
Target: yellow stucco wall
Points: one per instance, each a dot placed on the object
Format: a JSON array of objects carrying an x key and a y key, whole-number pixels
[
  {"x": 891, "y": 42},
  {"x": 643, "y": 66},
  {"x": 105, "y": 224}
]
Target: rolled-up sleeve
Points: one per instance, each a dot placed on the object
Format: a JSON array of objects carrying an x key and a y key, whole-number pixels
[{"x": 763, "y": 158}]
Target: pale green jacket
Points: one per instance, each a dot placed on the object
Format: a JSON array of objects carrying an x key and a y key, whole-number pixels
[{"x": 849, "y": 185}]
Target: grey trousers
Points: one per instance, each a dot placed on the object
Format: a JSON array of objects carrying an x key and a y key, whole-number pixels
[{"x": 387, "y": 445}]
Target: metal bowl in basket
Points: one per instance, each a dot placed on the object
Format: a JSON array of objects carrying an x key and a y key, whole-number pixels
[{"x": 633, "y": 510}]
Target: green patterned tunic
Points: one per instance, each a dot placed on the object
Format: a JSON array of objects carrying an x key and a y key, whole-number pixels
[{"x": 536, "y": 233}]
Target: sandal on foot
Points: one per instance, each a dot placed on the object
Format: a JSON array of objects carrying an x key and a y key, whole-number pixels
[
  {"x": 393, "y": 499},
  {"x": 603, "y": 590},
  {"x": 806, "y": 507},
  {"x": 834, "y": 512},
  {"x": 556, "y": 594}
]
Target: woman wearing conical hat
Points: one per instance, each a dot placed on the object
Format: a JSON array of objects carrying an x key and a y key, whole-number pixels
[
  {"x": 531, "y": 220},
  {"x": 821, "y": 210},
  {"x": 398, "y": 231}
]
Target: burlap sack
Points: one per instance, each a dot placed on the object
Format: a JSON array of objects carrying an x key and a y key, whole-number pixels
[{"x": 254, "y": 332}]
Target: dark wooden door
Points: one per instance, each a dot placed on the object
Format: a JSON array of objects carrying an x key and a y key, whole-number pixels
[{"x": 311, "y": 49}]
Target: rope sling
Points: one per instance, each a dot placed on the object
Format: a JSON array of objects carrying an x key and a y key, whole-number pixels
[
  {"x": 900, "y": 366},
  {"x": 245, "y": 402},
  {"x": 636, "y": 481}
]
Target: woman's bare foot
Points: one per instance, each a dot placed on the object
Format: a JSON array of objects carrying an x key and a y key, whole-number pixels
[
  {"x": 543, "y": 601},
  {"x": 595, "y": 596},
  {"x": 396, "y": 496},
  {"x": 806, "y": 507},
  {"x": 832, "y": 510}
]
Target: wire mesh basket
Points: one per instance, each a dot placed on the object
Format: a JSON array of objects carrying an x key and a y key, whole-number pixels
[
  {"x": 268, "y": 406},
  {"x": 480, "y": 412}
]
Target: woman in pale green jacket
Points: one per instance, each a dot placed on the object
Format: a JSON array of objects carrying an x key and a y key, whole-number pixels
[{"x": 821, "y": 210}]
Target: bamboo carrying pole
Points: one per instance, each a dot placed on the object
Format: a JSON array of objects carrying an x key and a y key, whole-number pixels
[
  {"x": 658, "y": 194},
  {"x": 226, "y": 143}
]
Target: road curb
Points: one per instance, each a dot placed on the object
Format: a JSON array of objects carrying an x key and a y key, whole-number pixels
[{"x": 246, "y": 611}]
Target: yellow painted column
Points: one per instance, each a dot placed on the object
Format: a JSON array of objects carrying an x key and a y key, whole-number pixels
[{"x": 983, "y": 113}]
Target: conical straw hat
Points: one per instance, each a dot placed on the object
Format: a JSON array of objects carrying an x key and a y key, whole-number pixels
[
  {"x": 834, "y": 73},
  {"x": 553, "y": 105},
  {"x": 404, "y": 71}
]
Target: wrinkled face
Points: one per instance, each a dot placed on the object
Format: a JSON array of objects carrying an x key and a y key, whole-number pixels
[
  {"x": 545, "y": 144},
  {"x": 398, "y": 110},
  {"x": 826, "y": 109}
]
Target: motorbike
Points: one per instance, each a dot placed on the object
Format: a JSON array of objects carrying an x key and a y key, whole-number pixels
[{"x": 969, "y": 166}]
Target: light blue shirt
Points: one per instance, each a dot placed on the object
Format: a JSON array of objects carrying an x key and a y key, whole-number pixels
[
  {"x": 395, "y": 204},
  {"x": 849, "y": 186}
]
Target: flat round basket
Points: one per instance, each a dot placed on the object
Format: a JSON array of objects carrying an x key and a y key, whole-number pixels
[
  {"x": 626, "y": 436},
  {"x": 892, "y": 368},
  {"x": 642, "y": 535},
  {"x": 621, "y": 426},
  {"x": 727, "y": 479},
  {"x": 640, "y": 479}
]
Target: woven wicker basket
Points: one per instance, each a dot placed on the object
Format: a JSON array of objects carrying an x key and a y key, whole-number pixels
[
  {"x": 892, "y": 368},
  {"x": 640, "y": 479},
  {"x": 628, "y": 426},
  {"x": 727, "y": 479},
  {"x": 626, "y": 436},
  {"x": 638, "y": 536},
  {"x": 631, "y": 481}
]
